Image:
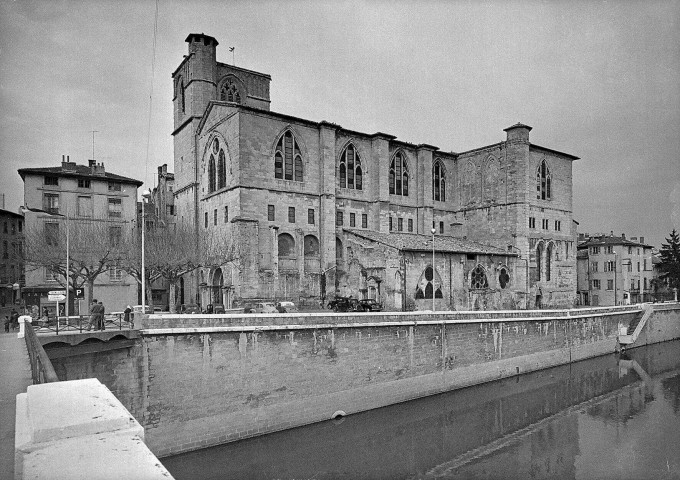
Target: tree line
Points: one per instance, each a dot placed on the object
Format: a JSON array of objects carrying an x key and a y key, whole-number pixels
[{"x": 96, "y": 247}]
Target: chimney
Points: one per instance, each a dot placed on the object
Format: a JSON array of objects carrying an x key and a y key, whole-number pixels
[
  {"x": 611, "y": 233},
  {"x": 91, "y": 163},
  {"x": 98, "y": 169},
  {"x": 581, "y": 237},
  {"x": 633, "y": 239},
  {"x": 623, "y": 236},
  {"x": 642, "y": 240},
  {"x": 66, "y": 164}
]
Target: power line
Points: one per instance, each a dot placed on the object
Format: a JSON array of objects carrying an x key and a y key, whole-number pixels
[{"x": 153, "y": 68}]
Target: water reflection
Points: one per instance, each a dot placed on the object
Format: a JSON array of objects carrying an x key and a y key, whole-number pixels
[{"x": 601, "y": 418}]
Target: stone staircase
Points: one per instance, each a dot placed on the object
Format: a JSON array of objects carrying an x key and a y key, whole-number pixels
[{"x": 635, "y": 327}]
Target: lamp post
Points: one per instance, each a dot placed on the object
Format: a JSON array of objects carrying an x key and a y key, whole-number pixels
[
  {"x": 433, "y": 276},
  {"x": 145, "y": 196}
]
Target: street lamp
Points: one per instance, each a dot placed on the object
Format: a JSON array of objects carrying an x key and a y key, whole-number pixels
[
  {"x": 145, "y": 196},
  {"x": 433, "y": 290}
]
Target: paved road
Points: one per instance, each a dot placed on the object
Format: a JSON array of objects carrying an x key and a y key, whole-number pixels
[{"x": 15, "y": 377}]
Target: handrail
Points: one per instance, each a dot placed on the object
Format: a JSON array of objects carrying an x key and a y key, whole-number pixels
[{"x": 41, "y": 366}]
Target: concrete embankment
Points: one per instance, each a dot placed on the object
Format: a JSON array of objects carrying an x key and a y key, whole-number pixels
[{"x": 199, "y": 380}]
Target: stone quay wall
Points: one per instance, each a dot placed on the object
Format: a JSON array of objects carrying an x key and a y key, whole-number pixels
[{"x": 213, "y": 379}]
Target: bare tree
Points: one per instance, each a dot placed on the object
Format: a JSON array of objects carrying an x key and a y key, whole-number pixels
[{"x": 92, "y": 250}]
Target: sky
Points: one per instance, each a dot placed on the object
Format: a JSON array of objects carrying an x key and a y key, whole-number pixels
[{"x": 596, "y": 79}]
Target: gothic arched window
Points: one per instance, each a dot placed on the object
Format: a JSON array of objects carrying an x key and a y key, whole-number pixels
[
  {"x": 229, "y": 92},
  {"x": 503, "y": 277},
  {"x": 399, "y": 175},
  {"x": 288, "y": 158},
  {"x": 179, "y": 92},
  {"x": 429, "y": 284},
  {"x": 548, "y": 261},
  {"x": 438, "y": 181},
  {"x": 221, "y": 171},
  {"x": 543, "y": 182},
  {"x": 478, "y": 278},
  {"x": 351, "y": 174},
  {"x": 211, "y": 174}
]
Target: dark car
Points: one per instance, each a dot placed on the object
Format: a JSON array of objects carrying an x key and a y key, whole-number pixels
[
  {"x": 190, "y": 308},
  {"x": 371, "y": 305},
  {"x": 345, "y": 304}
]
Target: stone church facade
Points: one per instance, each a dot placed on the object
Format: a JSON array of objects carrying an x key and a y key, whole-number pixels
[{"x": 308, "y": 210}]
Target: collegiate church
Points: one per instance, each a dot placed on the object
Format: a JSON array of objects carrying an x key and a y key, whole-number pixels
[{"x": 314, "y": 210}]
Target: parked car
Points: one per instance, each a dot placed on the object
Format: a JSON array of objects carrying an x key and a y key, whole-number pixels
[
  {"x": 345, "y": 304},
  {"x": 371, "y": 305},
  {"x": 264, "y": 307},
  {"x": 286, "y": 307},
  {"x": 190, "y": 308},
  {"x": 138, "y": 309}
]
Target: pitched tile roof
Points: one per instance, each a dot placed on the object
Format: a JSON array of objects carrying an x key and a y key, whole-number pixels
[
  {"x": 418, "y": 242},
  {"x": 77, "y": 171},
  {"x": 600, "y": 240}
]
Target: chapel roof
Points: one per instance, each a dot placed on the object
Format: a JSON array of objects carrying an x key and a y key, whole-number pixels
[{"x": 423, "y": 243}]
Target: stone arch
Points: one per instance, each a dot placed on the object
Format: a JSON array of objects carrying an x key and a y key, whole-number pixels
[
  {"x": 543, "y": 181},
  {"x": 286, "y": 244},
  {"x": 540, "y": 249},
  {"x": 503, "y": 278},
  {"x": 217, "y": 161},
  {"x": 399, "y": 174},
  {"x": 550, "y": 256},
  {"x": 357, "y": 176},
  {"x": 230, "y": 88},
  {"x": 438, "y": 180},
  {"x": 429, "y": 283},
  {"x": 478, "y": 278},
  {"x": 491, "y": 179},
  {"x": 469, "y": 179},
  {"x": 216, "y": 285},
  {"x": 298, "y": 160}
]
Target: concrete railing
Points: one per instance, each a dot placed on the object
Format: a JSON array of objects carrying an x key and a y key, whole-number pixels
[
  {"x": 41, "y": 366},
  {"x": 79, "y": 430}
]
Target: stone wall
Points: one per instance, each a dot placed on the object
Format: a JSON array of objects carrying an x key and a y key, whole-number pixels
[
  {"x": 198, "y": 380},
  {"x": 234, "y": 377}
]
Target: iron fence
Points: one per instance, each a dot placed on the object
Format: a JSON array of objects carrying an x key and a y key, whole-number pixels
[{"x": 82, "y": 323}]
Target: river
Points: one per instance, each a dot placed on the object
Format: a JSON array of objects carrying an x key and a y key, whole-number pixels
[{"x": 609, "y": 417}]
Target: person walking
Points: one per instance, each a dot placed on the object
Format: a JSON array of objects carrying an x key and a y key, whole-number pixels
[
  {"x": 14, "y": 319},
  {"x": 7, "y": 323}
]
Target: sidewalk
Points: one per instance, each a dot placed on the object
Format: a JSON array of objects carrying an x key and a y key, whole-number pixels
[{"x": 15, "y": 377}]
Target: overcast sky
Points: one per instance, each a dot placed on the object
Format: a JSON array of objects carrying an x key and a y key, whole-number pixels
[{"x": 599, "y": 80}]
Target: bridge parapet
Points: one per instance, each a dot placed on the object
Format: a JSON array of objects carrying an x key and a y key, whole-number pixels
[{"x": 79, "y": 430}]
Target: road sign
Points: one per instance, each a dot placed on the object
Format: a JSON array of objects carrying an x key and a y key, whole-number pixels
[
  {"x": 56, "y": 298},
  {"x": 79, "y": 293},
  {"x": 57, "y": 292}
]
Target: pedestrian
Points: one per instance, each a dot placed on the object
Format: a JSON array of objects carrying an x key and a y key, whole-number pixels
[
  {"x": 100, "y": 316},
  {"x": 539, "y": 298},
  {"x": 14, "y": 319},
  {"x": 93, "y": 315},
  {"x": 127, "y": 312},
  {"x": 7, "y": 323}
]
